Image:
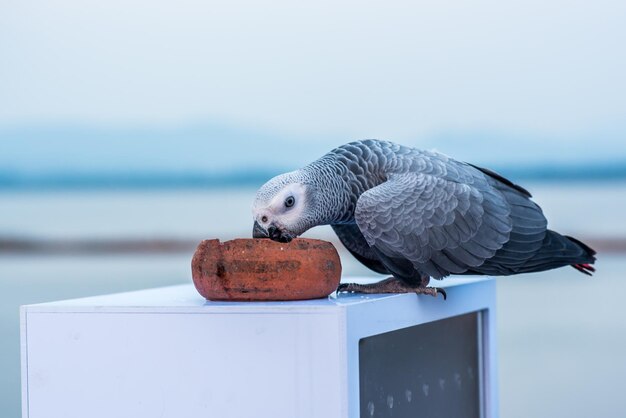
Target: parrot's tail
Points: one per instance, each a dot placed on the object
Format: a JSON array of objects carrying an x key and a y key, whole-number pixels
[
  {"x": 560, "y": 250},
  {"x": 587, "y": 267}
]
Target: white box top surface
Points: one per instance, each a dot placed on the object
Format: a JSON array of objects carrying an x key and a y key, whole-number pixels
[{"x": 185, "y": 298}]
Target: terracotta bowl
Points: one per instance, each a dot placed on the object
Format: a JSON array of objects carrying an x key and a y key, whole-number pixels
[{"x": 261, "y": 269}]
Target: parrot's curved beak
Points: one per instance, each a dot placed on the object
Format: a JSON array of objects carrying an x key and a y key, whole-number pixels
[
  {"x": 273, "y": 233},
  {"x": 258, "y": 231}
]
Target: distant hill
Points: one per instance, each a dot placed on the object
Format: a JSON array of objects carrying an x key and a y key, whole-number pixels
[{"x": 218, "y": 155}]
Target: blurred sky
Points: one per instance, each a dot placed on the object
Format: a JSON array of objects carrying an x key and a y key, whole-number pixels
[{"x": 518, "y": 79}]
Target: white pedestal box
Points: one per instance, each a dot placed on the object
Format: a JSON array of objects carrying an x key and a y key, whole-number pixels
[{"x": 169, "y": 353}]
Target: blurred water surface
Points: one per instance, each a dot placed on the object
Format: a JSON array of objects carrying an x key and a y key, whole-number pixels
[{"x": 562, "y": 335}]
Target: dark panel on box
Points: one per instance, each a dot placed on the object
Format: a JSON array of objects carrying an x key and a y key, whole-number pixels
[{"x": 430, "y": 370}]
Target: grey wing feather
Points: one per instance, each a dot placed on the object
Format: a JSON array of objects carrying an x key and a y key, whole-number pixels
[
  {"x": 526, "y": 238},
  {"x": 448, "y": 221}
]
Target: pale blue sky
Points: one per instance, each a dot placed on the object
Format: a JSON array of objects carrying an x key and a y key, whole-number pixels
[{"x": 547, "y": 72}]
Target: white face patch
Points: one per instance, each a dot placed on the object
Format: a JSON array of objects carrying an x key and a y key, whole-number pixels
[{"x": 277, "y": 212}]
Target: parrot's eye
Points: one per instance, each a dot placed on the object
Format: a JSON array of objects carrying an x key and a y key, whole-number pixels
[
  {"x": 290, "y": 201},
  {"x": 263, "y": 218}
]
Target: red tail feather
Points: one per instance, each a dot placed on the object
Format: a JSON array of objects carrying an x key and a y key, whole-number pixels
[{"x": 584, "y": 268}]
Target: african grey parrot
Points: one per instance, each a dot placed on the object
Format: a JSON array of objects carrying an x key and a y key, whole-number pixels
[{"x": 415, "y": 214}]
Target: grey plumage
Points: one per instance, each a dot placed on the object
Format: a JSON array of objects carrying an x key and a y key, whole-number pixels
[{"x": 415, "y": 213}]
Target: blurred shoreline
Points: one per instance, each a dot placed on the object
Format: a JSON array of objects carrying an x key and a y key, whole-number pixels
[
  {"x": 165, "y": 245},
  {"x": 174, "y": 221}
]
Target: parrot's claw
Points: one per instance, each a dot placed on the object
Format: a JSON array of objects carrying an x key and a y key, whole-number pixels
[
  {"x": 391, "y": 285},
  {"x": 344, "y": 287}
]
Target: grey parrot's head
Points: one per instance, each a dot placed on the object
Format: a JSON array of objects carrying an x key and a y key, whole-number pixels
[{"x": 282, "y": 208}]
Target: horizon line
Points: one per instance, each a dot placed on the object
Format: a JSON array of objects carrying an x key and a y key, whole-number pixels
[{"x": 155, "y": 179}]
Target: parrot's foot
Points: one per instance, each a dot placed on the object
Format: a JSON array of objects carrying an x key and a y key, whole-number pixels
[{"x": 392, "y": 285}]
